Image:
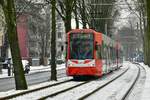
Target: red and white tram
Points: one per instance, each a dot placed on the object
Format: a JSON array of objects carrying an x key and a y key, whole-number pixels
[{"x": 91, "y": 53}]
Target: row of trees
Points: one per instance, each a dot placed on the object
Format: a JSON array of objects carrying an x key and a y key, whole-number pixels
[
  {"x": 143, "y": 9},
  {"x": 80, "y": 10},
  {"x": 10, "y": 18},
  {"x": 140, "y": 9},
  {"x": 9, "y": 9}
]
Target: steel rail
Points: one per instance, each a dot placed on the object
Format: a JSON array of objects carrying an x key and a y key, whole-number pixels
[
  {"x": 102, "y": 86},
  {"x": 54, "y": 94},
  {"x": 62, "y": 91},
  {"x": 133, "y": 84},
  {"x": 33, "y": 90}
]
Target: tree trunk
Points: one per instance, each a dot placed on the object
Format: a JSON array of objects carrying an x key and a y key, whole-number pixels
[
  {"x": 68, "y": 21},
  {"x": 76, "y": 15},
  {"x": 148, "y": 58},
  {"x": 10, "y": 15},
  {"x": 67, "y": 15},
  {"x": 83, "y": 16},
  {"x": 145, "y": 51},
  {"x": 148, "y": 32},
  {"x": 68, "y": 24},
  {"x": 53, "y": 43},
  {"x": 69, "y": 8},
  {"x": 5, "y": 45}
]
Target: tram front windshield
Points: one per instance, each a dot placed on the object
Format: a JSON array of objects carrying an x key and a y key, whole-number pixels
[{"x": 81, "y": 46}]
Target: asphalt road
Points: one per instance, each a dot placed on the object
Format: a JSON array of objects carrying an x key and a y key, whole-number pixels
[{"x": 33, "y": 78}]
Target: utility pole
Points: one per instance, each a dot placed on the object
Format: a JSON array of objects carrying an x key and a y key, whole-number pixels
[{"x": 106, "y": 28}]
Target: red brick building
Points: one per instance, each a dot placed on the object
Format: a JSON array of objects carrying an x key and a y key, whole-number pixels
[{"x": 22, "y": 29}]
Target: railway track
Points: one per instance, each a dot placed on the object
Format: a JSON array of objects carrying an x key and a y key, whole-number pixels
[
  {"x": 55, "y": 94},
  {"x": 128, "y": 92},
  {"x": 126, "y": 88},
  {"x": 33, "y": 90},
  {"x": 77, "y": 84},
  {"x": 102, "y": 86},
  {"x": 62, "y": 91}
]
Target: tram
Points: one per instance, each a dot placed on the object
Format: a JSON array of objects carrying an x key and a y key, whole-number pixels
[{"x": 91, "y": 53}]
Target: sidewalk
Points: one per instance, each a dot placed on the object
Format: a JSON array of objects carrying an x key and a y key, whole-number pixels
[
  {"x": 33, "y": 69},
  {"x": 146, "y": 91}
]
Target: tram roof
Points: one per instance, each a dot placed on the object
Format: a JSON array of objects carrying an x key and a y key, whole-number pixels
[
  {"x": 82, "y": 31},
  {"x": 107, "y": 40}
]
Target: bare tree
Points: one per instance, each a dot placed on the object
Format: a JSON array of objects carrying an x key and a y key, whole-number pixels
[
  {"x": 147, "y": 34},
  {"x": 10, "y": 16},
  {"x": 76, "y": 14},
  {"x": 83, "y": 13},
  {"x": 53, "y": 42},
  {"x": 65, "y": 9},
  {"x": 38, "y": 27},
  {"x": 101, "y": 14}
]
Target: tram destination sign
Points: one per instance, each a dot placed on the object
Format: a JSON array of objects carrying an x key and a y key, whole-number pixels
[{"x": 81, "y": 35}]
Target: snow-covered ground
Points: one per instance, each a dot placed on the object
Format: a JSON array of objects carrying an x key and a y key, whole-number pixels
[
  {"x": 108, "y": 93},
  {"x": 33, "y": 69},
  {"x": 73, "y": 94},
  {"x": 116, "y": 89},
  {"x": 146, "y": 90}
]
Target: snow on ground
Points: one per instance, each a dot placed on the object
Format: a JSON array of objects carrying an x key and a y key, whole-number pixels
[
  {"x": 116, "y": 89},
  {"x": 146, "y": 92},
  {"x": 78, "y": 92},
  {"x": 139, "y": 86},
  {"x": 75, "y": 92},
  {"x": 13, "y": 91},
  {"x": 47, "y": 91},
  {"x": 33, "y": 69}
]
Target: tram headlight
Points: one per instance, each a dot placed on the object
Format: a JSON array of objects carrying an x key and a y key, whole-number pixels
[
  {"x": 91, "y": 64},
  {"x": 69, "y": 64}
]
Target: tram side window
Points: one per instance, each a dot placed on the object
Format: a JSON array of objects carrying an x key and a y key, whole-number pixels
[
  {"x": 104, "y": 51},
  {"x": 107, "y": 53},
  {"x": 122, "y": 56},
  {"x": 99, "y": 52},
  {"x": 114, "y": 54},
  {"x": 111, "y": 52}
]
